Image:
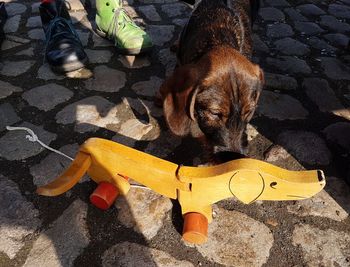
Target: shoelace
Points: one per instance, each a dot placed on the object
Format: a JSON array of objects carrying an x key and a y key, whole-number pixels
[
  {"x": 114, "y": 26},
  {"x": 56, "y": 22}
]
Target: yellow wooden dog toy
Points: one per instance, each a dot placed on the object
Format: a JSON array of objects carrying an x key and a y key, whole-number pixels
[{"x": 196, "y": 188}]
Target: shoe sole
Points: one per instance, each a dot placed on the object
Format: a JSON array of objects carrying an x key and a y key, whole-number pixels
[
  {"x": 125, "y": 51},
  {"x": 70, "y": 66}
]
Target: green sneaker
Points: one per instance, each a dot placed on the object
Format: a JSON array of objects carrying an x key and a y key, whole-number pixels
[{"x": 114, "y": 23}]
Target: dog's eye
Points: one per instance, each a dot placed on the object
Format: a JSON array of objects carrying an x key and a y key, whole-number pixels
[{"x": 216, "y": 113}]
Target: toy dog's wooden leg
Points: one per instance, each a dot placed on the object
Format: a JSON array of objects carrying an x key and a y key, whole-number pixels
[
  {"x": 195, "y": 229},
  {"x": 105, "y": 194}
]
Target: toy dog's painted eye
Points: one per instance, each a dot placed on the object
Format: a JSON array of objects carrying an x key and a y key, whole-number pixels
[{"x": 273, "y": 184}]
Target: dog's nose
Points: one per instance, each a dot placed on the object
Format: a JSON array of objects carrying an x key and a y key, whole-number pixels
[{"x": 225, "y": 156}]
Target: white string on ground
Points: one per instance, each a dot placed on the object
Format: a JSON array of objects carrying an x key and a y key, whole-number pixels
[{"x": 32, "y": 137}]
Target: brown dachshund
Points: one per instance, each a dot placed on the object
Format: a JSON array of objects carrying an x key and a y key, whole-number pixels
[{"x": 215, "y": 88}]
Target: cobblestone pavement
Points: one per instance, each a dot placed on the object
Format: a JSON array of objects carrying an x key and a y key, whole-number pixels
[{"x": 302, "y": 122}]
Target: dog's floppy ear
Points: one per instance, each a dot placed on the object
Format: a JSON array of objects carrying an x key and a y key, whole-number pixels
[
  {"x": 247, "y": 79},
  {"x": 178, "y": 93},
  {"x": 256, "y": 87}
]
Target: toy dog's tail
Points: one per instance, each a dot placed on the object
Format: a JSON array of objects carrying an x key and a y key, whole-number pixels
[{"x": 69, "y": 178}]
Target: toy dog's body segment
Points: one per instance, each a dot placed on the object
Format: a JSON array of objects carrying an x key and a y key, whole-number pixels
[{"x": 196, "y": 188}]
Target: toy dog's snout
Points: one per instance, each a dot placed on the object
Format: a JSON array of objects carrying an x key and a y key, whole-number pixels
[{"x": 249, "y": 186}]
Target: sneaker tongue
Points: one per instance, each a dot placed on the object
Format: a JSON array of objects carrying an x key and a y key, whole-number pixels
[
  {"x": 49, "y": 10},
  {"x": 124, "y": 18}
]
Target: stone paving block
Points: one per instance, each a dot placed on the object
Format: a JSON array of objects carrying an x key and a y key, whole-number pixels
[
  {"x": 15, "y": 9},
  {"x": 339, "y": 133},
  {"x": 271, "y": 14},
  {"x": 346, "y": 2},
  {"x": 131, "y": 254},
  {"x": 180, "y": 22},
  {"x": 234, "y": 239},
  {"x": 17, "y": 39},
  {"x": 124, "y": 140},
  {"x": 158, "y": 1},
  {"x": 321, "y": 45},
  {"x": 306, "y": 147},
  {"x": 84, "y": 37},
  {"x": 150, "y": 12},
  {"x": 160, "y": 34},
  {"x": 164, "y": 145},
  {"x": 35, "y": 7},
  {"x": 134, "y": 62},
  {"x": 134, "y": 129},
  {"x": 26, "y": 52},
  {"x": 106, "y": 80},
  {"x": 148, "y": 88},
  {"x": 36, "y": 34},
  {"x": 311, "y": 10},
  {"x": 63, "y": 241},
  {"x": 331, "y": 23},
  {"x": 337, "y": 39},
  {"x": 15, "y": 146},
  {"x": 16, "y": 68},
  {"x": 34, "y": 22},
  {"x": 45, "y": 73},
  {"x": 259, "y": 45},
  {"x": 6, "y": 44},
  {"x": 53, "y": 165},
  {"x": 8, "y": 89},
  {"x": 280, "y": 107},
  {"x": 279, "y": 30},
  {"x": 143, "y": 210},
  {"x": 335, "y": 69},
  {"x": 319, "y": 91},
  {"x": 47, "y": 96},
  {"x": 280, "y": 82},
  {"x": 90, "y": 114},
  {"x": 251, "y": 132},
  {"x": 333, "y": 202},
  {"x": 308, "y": 28},
  {"x": 294, "y": 14},
  {"x": 12, "y": 24},
  {"x": 276, "y": 153},
  {"x": 176, "y": 9},
  {"x": 143, "y": 107},
  {"x": 322, "y": 247},
  {"x": 277, "y": 3},
  {"x": 168, "y": 60},
  {"x": 78, "y": 16},
  {"x": 100, "y": 42},
  {"x": 289, "y": 64},
  {"x": 18, "y": 218},
  {"x": 8, "y": 116},
  {"x": 290, "y": 46},
  {"x": 75, "y": 5},
  {"x": 98, "y": 56},
  {"x": 340, "y": 11}
]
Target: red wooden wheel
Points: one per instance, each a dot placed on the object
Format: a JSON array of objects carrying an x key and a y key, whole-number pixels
[
  {"x": 195, "y": 229},
  {"x": 104, "y": 195}
]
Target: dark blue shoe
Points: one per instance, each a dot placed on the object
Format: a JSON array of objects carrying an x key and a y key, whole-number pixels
[{"x": 64, "y": 51}]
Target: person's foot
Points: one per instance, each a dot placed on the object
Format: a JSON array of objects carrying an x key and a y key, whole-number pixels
[
  {"x": 64, "y": 51},
  {"x": 114, "y": 23}
]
